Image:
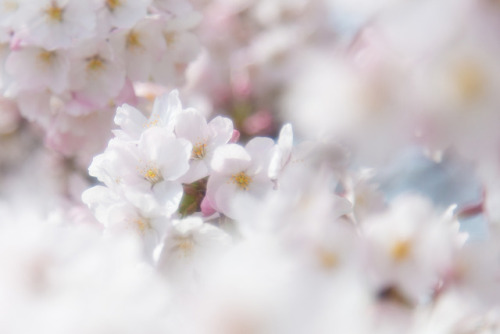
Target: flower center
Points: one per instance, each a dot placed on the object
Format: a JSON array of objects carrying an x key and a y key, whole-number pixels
[
  {"x": 153, "y": 121},
  {"x": 153, "y": 175},
  {"x": 198, "y": 151},
  {"x": 242, "y": 180},
  {"x": 170, "y": 38},
  {"x": 327, "y": 259},
  {"x": 469, "y": 81},
  {"x": 95, "y": 63},
  {"x": 401, "y": 250},
  {"x": 54, "y": 12},
  {"x": 142, "y": 224},
  {"x": 112, "y": 4},
  {"x": 186, "y": 245},
  {"x": 46, "y": 56},
  {"x": 133, "y": 40}
]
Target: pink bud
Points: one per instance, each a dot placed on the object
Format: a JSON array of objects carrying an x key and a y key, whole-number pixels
[
  {"x": 235, "y": 137},
  {"x": 206, "y": 207}
]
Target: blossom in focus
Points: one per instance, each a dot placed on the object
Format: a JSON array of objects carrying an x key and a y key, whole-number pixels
[
  {"x": 205, "y": 138},
  {"x": 239, "y": 171}
]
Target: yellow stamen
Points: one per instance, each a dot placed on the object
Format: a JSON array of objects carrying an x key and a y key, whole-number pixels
[
  {"x": 183, "y": 244},
  {"x": 242, "y": 180},
  {"x": 46, "y": 56},
  {"x": 327, "y": 259},
  {"x": 113, "y": 4},
  {"x": 95, "y": 63},
  {"x": 401, "y": 250},
  {"x": 142, "y": 224},
  {"x": 469, "y": 81},
  {"x": 54, "y": 12},
  {"x": 186, "y": 245},
  {"x": 153, "y": 175},
  {"x": 133, "y": 40},
  {"x": 152, "y": 122},
  {"x": 198, "y": 151},
  {"x": 170, "y": 38}
]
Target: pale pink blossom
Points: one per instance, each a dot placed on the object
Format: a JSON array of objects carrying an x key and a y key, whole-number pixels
[
  {"x": 205, "y": 138},
  {"x": 54, "y": 24},
  {"x": 147, "y": 172},
  {"x": 239, "y": 171},
  {"x": 141, "y": 47},
  {"x": 35, "y": 68},
  {"x": 97, "y": 74}
]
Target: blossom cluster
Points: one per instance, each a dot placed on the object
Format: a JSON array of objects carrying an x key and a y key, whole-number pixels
[
  {"x": 144, "y": 166},
  {"x": 70, "y": 62}
]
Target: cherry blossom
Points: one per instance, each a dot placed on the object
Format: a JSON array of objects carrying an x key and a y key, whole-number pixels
[
  {"x": 54, "y": 24},
  {"x": 205, "y": 138},
  {"x": 239, "y": 171}
]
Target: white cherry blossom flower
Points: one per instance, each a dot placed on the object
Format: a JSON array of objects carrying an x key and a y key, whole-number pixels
[
  {"x": 410, "y": 246},
  {"x": 35, "y": 68},
  {"x": 97, "y": 74},
  {"x": 123, "y": 217},
  {"x": 205, "y": 138},
  {"x": 190, "y": 243},
  {"x": 182, "y": 44},
  {"x": 238, "y": 172},
  {"x": 142, "y": 46},
  {"x": 54, "y": 24},
  {"x": 182, "y": 48},
  {"x": 147, "y": 172},
  {"x": 119, "y": 216}
]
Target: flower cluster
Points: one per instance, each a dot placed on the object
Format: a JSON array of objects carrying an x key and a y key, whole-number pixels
[
  {"x": 66, "y": 60},
  {"x": 144, "y": 166}
]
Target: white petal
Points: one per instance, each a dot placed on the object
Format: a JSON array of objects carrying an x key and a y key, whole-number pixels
[
  {"x": 198, "y": 169},
  {"x": 168, "y": 195},
  {"x": 282, "y": 152},
  {"x": 174, "y": 157},
  {"x": 224, "y": 197},
  {"x": 230, "y": 159},
  {"x": 166, "y": 107},
  {"x": 187, "y": 225},
  {"x": 222, "y": 128},
  {"x": 191, "y": 125},
  {"x": 131, "y": 120},
  {"x": 260, "y": 149}
]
